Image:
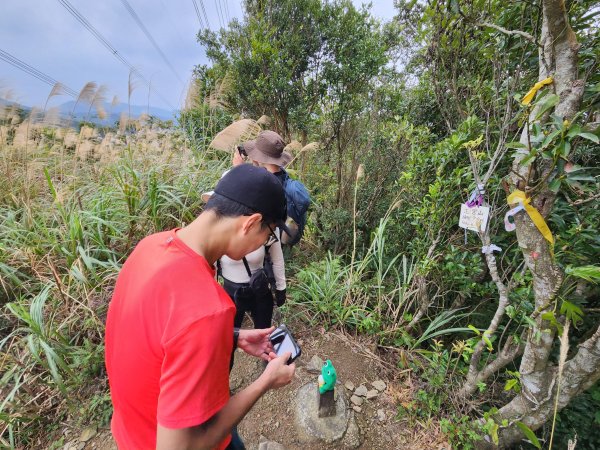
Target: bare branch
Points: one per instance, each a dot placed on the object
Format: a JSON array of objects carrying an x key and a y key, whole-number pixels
[{"x": 524, "y": 34}]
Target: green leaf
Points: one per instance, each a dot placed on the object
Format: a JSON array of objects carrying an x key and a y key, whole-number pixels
[
  {"x": 572, "y": 311},
  {"x": 574, "y": 131},
  {"x": 545, "y": 103},
  {"x": 589, "y": 273},
  {"x": 590, "y": 137},
  {"x": 530, "y": 157},
  {"x": 475, "y": 330},
  {"x": 529, "y": 434},
  {"x": 554, "y": 185},
  {"x": 515, "y": 145},
  {"x": 548, "y": 139},
  {"x": 564, "y": 148},
  {"x": 487, "y": 341},
  {"x": 510, "y": 384}
]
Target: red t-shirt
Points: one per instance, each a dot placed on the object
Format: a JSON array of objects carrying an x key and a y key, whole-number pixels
[{"x": 169, "y": 335}]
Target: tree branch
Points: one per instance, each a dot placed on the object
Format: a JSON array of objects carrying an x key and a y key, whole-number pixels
[{"x": 523, "y": 34}]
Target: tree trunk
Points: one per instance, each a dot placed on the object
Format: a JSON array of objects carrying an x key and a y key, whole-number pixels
[{"x": 535, "y": 405}]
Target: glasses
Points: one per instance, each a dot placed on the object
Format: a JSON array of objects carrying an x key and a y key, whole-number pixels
[
  {"x": 242, "y": 152},
  {"x": 272, "y": 236}
]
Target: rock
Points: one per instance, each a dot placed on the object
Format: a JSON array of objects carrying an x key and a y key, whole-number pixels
[
  {"x": 81, "y": 446},
  {"x": 88, "y": 433},
  {"x": 381, "y": 415},
  {"x": 349, "y": 385},
  {"x": 315, "y": 364},
  {"x": 352, "y": 437},
  {"x": 277, "y": 424},
  {"x": 361, "y": 391},
  {"x": 356, "y": 408},
  {"x": 270, "y": 445},
  {"x": 372, "y": 394},
  {"x": 357, "y": 400},
  {"x": 379, "y": 385},
  {"x": 312, "y": 428}
]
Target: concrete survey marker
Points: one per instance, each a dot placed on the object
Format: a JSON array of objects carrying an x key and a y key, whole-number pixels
[{"x": 311, "y": 427}]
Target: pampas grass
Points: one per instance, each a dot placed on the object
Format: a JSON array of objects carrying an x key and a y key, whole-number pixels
[
  {"x": 57, "y": 89},
  {"x": 131, "y": 86},
  {"x": 239, "y": 131},
  {"x": 293, "y": 147},
  {"x": 85, "y": 95},
  {"x": 97, "y": 102}
]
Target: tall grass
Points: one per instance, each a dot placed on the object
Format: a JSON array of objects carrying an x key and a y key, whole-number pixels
[{"x": 62, "y": 242}]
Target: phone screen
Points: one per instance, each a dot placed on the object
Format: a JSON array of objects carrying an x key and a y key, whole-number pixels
[
  {"x": 286, "y": 345},
  {"x": 283, "y": 342}
]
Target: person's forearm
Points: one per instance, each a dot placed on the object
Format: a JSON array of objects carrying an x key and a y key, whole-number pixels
[{"x": 210, "y": 434}]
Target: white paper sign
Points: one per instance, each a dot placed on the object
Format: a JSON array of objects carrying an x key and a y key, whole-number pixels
[{"x": 474, "y": 218}]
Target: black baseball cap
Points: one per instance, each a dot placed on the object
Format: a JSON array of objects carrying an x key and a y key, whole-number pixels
[{"x": 257, "y": 189}]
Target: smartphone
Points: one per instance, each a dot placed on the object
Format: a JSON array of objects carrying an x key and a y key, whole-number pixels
[{"x": 283, "y": 341}]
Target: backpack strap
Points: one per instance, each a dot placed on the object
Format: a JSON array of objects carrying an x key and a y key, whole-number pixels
[
  {"x": 247, "y": 266},
  {"x": 219, "y": 269}
]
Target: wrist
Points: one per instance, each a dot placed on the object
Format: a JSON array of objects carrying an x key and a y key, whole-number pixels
[
  {"x": 236, "y": 337},
  {"x": 263, "y": 383}
]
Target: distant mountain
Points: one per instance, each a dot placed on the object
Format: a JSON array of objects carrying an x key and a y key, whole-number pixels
[{"x": 113, "y": 112}]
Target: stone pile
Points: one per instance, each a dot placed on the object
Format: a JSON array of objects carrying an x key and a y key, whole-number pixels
[{"x": 361, "y": 393}]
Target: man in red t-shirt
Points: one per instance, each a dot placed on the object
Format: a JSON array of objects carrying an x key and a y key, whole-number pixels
[{"x": 169, "y": 331}]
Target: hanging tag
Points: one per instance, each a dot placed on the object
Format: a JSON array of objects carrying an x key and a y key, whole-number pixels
[
  {"x": 475, "y": 218},
  {"x": 508, "y": 225},
  {"x": 476, "y": 197},
  {"x": 487, "y": 249}
]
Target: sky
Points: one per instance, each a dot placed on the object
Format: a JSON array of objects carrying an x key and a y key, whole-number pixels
[{"x": 46, "y": 36}]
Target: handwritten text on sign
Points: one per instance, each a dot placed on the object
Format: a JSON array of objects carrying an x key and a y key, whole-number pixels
[{"x": 475, "y": 218}]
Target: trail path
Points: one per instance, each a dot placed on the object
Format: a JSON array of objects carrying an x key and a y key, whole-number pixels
[{"x": 272, "y": 420}]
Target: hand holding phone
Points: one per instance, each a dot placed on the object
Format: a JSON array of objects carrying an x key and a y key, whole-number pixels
[{"x": 283, "y": 341}]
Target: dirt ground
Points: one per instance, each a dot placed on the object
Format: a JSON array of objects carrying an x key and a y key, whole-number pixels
[{"x": 272, "y": 418}]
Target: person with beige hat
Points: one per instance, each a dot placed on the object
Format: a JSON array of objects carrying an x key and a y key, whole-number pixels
[{"x": 267, "y": 151}]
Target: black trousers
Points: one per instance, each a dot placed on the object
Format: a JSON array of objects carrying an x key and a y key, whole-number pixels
[{"x": 260, "y": 308}]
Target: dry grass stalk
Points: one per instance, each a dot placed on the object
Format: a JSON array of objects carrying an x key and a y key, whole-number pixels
[
  {"x": 57, "y": 89},
  {"x": 307, "y": 148},
  {"x": 52, "y": 117},
  {"x": 131, "y": 86},
  {"x": 97, "y": 102},
  {"x": 293, "y": 147},
  {"x": 123, "y": 122},
  {"x": 572, "y": 443},
  {"x": 239, "y": 131},
  {"x": 87, "y": 93},
  {"x": 264, "y": 121},
  {"x": 562, "y": 359},
  {"x": 218, "y": 97},
  {"x": 192, "y": 95}
]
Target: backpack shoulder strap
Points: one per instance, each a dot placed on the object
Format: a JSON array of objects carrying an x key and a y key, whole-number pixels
[{"x": 247, "y": 266}]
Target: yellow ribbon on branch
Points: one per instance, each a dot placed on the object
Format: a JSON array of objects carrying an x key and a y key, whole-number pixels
[
  {"x": 536, "y": 87},
  {"x": 519, "y": 196}
]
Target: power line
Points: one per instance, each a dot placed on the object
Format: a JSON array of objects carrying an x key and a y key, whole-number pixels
[
  {"x": 150, "y": 38},
  {"x": 226, "y": 3},
  {"x": 205, "y": 15},
  {"x": 23, "y": 66},
  {"x": 83, "y": 21},
  {"x": 198, "y": 13},
  {"x": 218, "y": 13}
]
